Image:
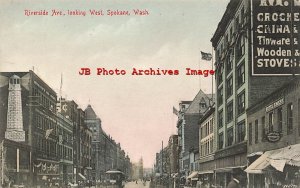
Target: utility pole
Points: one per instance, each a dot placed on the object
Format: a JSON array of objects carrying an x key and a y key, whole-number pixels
[{"x": 162, "y": 157}]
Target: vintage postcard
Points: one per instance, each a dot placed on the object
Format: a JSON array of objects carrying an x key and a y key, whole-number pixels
[{"x": 150, "y": 93}]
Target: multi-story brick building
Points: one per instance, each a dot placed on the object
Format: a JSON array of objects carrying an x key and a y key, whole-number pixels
[
  {"x": 273, "y": 134},
  {"x": 106, "y": 153},
  {"x": 236, "y": 88},
  {"x": 82, "y": 138},
  {"x": 84, "y": 135},
  {"x": 206, "y": 163},
  {"x": 173, "y": 154},
  {"x": 36, "y": 115},
  {"x": 187, "y": 124},
  {"x": 65, "y": 148}
]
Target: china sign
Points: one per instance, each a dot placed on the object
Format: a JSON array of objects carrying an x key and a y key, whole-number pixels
[{"x": 275, "y": 37}]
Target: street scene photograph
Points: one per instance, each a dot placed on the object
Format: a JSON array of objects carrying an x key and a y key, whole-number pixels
[{"x": 150, "y": 94}]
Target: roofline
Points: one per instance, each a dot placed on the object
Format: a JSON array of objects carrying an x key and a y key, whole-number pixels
[{"x": 227, "y": 16}]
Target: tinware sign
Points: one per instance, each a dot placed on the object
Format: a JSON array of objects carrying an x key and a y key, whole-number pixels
[{"x": 275, "y": 28}]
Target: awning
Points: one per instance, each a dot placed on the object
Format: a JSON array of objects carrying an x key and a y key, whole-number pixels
[
  {"x": 192, "y": 175},
  {"x": 228, "y": 169},
  {"x": 291, "y": 154},
  {"x": 82, "y": 176},
  {"x": 255, "y": 153},
  {"x": 259, "y": 164},
  {"x": 206, "y": 172},
  {"x": 276, "y": 158}
]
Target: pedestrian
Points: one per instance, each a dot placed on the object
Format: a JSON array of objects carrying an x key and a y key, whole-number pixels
[{"x": 236, "y": 179}]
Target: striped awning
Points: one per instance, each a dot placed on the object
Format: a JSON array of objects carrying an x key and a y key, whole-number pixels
[{"x": 277, "y": 159}]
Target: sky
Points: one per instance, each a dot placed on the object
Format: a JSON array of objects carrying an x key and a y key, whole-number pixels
[{"x": 135, "y": 110}]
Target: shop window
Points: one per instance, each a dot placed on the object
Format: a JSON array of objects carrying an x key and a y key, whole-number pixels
[
  {"x": 229, "y": 112},
  {"x": 241, "y": 131},
  {"x": 241, "y": 74},
  {"x": 229, "y": 87},
  {"x": 250, "y": 134},
  {"x": 241, "y": 102},
  {"x": 221, "y": 141},
  {"x": 279, "y": 119},
  {"x": 290, "y": 118},
  {"x": 256, "y": 131},
  {"x": 220, "y": 119},
  {"x": 229, "y": 136}
]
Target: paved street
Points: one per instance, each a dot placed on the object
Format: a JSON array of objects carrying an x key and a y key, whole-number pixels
[{"x": 138, "y": 185}]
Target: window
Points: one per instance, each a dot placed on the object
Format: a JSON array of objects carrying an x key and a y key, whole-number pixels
[
  {"x": 211, "y": 126},
  {"x": 230, "y": 112},
  {"x": 202, "y": 105},
  {"x": 237, "y": 22},
  {"x": 229, "y": 85},
  {"x": 241, "y": 102},
  {"x": 241, "y": 75},
  {"x": 220, "y": 75},
  {"x": 229, "y": 136},
  {"x": 290, "y": 118},
  {"x": 220, "y": 96},
  {"x": 250, "y": 134},
  {"x": 263, "y": 127},
  {"x": 241, "y": 131},
  {"x": 256, "y": 131},
  {"x": 220, "y": 119},
  {"x": 211, "y": 145},
  {"x": 221, "y": 141},
  {"x": 271, "y": 121},
  {"x": 229, "y": 63},
  {"x": 279, "y": 119},
  {"x": 240, "y": 49}
]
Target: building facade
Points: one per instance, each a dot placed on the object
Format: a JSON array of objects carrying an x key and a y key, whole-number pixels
[
  {"x": 187, "y": 126},
  {"x": 173, "y": 154},
  {"x": 38, "y": 116},
  {"x": 206, "y": 163},
  {"x": 65, "y": 148},
  {"x": 273, "y": 135},
  {"x": 106, "y": 153},
  {"x": 236, "y": 88}
]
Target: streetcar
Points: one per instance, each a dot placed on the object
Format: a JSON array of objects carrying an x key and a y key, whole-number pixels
[{"x": 115, "y": 179}]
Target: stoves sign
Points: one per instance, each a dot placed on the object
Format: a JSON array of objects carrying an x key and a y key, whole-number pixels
[{"x": 275, "y": 35}]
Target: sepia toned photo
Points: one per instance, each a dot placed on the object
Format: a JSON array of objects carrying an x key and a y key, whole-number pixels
[{"x": 150, "y": 94}]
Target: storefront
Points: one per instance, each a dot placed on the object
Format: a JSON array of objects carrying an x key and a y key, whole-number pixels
[
  {"x": 47, "y": 173},
  {"x": 278, "y": 168},
  {"x": 206, "y": 179},
  {"x": 192, "y": 179}
]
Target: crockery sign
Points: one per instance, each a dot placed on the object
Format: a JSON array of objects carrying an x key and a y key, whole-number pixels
[{"x": 276, "y": 27}]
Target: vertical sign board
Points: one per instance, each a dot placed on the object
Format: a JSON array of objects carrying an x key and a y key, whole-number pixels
[{"x": 275, "y": 37}]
